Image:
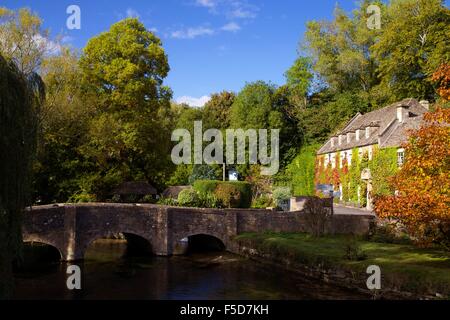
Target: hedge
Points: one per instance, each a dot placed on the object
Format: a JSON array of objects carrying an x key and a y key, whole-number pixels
[{"x": 211, "y": 187}]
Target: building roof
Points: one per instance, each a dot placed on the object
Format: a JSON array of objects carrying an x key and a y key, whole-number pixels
[
  {"x": 386, "y": 129},
  {"x": 140, "y": 188}
]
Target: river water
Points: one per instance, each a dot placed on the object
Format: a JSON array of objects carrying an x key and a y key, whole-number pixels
[{"x": 106, "y": 274}]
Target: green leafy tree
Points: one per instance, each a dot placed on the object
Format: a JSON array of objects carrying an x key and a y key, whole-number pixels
[
  {"x": 216, "y": 112},
  {"x": 415, "y": 40},
  {"x": 129, "y": 138}
]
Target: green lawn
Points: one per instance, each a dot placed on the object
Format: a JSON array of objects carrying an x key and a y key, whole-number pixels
[{"x": 402, "y": 266}]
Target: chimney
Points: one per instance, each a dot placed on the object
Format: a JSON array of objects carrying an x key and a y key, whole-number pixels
[
  {"x": 402, "y": 113},
  {"x": 425, "y": 104}
]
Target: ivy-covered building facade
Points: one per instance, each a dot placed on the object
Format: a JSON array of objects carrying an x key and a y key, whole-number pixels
[{"x": 358, "y": 159}]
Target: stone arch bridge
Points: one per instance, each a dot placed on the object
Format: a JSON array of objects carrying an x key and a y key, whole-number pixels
[{"x": 72, "y": 227}]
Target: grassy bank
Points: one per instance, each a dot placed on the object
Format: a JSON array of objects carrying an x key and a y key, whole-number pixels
[{"x": 406, "y": 268}]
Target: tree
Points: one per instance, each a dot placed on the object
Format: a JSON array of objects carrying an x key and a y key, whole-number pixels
[
  {"x": 216, "y": 112},
  {"x": 263, "y": 106},
  {"x": 126, "y": 66},
  {"x": 422, "y": 201},
  {"x": 415, "y": 40},
  {"x": 129, "y": 138},
  {"x": 65, "y": 119},
  {"x": 298, "y": 80},
  {"x": 442, "y": 77},
  {"x": 20, "y": 98},
  {"x": 341, "y": 50},
  {"x": 23, "y": 39}
]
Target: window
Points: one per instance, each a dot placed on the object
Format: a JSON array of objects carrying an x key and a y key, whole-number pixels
[{"x": 400, "y": 157}]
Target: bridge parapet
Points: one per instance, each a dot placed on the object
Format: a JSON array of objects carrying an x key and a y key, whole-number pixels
[{"x": 72, "y": 227}]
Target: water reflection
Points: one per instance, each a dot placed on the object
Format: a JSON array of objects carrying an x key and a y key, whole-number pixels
[{"x": 217, "y": 275}]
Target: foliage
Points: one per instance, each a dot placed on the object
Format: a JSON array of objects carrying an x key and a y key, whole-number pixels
[
  {"x": 298, "y": 80},
  {"x": 205, "y": 172},
  {"x": 24, "y": 41},
  {"x": 188, "y": 198},
  {"x": 442, "y": 77},
  {"x": 229, "y": 195},
  {"x": 20, "y": 101},
  {"x": 301, "y": 171},
  {"x": 281, "y": 194},
  {"x": 262, "y": 106},
  {"x": 216, "y": 112},
  {"x": 413, "y": 43},
  {"x": 382, "y": 167},
  {"x": 262, "y": 202},
  {"x": 128, "y": 138},
  {"x": 220, "y": 188},
  {"x": 422, "y": 200},
  {"x": 316, "y": 216}
]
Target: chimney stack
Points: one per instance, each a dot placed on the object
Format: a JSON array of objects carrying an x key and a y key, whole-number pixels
[{"x": 402, "y": 113}]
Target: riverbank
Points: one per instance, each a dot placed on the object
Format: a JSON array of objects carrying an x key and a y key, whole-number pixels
[{"x": 407, "y": 272}]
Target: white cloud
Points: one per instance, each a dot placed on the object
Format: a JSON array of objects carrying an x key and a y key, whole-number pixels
[
  {"x": 192, "y": 101},
  {"x": 131, "y": 13},
  {"x": 242, "y": 13},
  {"x": 206, "y": 3},
  {"x": 232, "y": 27},
  {"x": 191, "y": 33},
  {"x": 50, "y": 47}
]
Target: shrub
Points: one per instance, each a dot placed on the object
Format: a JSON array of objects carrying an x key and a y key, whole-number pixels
[
  {"x": 229, "y": 195},
  {"x": 316, "y": 216},
  {"x": 148, "y": 199},
  {"x": 167, "y": 201},
  {"x": 262, "y": 202},
  {"x": 281, "y": 195},
  {"x": 188, "y": 198},
  {"x": 205, "y": 187}
]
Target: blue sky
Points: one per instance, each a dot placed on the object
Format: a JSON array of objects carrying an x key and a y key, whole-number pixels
[{"x": 213, "y": 45}]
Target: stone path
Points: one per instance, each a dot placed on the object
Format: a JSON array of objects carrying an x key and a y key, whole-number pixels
[{"x": 340, "y": 209}]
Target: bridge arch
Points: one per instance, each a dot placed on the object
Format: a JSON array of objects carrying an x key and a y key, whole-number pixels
[
  {"x": 47, "y": 242},
  {"x": 137, "y": 242},
  {"x": 197, "y": 242}
]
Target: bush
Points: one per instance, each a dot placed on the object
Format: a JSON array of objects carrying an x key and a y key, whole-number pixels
[
  {"x": 148, "y": 199},
  {"x": 262, "y": 202},
  {"x": 281, "y": 196},
  {"x": 167, "y": 202},
  {"x": 316, "y": 216},
  {"x": 188, "y": 198},
  {"x": 229, "y": 195},
  {"x": 218, "y": 189}
]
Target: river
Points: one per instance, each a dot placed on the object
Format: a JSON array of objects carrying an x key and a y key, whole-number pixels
[{"x": 107, "y": 274}]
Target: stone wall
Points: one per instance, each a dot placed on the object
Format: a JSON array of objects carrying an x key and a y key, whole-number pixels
[{"x": 71, "y": 228}]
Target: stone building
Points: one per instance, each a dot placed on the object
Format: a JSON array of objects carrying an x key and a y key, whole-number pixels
[{"x": 382, "y": 128}]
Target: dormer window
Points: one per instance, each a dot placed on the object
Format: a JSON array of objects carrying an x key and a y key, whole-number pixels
[
  {"x": 358, "y": 135},
  {"x": 367, "y": 132}
]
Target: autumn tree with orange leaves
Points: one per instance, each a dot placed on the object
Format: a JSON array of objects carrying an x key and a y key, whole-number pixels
[
  {"x": 442, "y": 78},
  {"x": 422, "y": 200}
]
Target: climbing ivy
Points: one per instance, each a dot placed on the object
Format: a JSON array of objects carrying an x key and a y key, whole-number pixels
[
  {"x": 20, "y": 99},
  {"x": 382, "y": 166}
]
